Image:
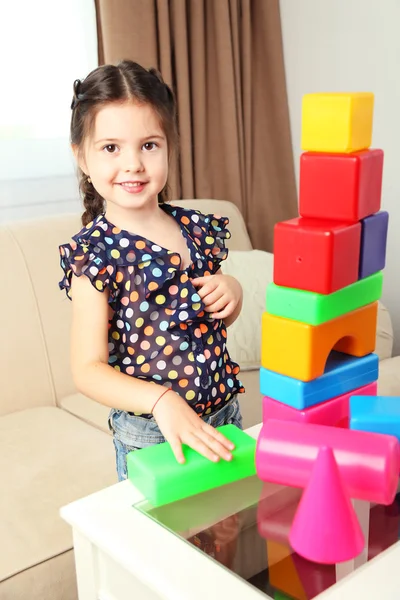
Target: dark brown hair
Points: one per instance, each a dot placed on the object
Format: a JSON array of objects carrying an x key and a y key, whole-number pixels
[{"x": 117, "y": 83}]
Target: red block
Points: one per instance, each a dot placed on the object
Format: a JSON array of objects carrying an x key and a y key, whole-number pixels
[
  {"x": 316, "y": 255},
  {"x": 345, "y": 187}
]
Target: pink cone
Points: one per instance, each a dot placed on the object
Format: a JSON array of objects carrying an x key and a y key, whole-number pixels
[{"x": 325, "y": 528}]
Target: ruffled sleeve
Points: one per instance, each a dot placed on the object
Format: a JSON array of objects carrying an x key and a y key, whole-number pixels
[
  {"x": 215, "y": 234},
  {"x": 86, "y": 256}
]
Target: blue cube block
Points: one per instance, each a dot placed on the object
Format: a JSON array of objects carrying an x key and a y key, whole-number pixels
[
  {"x": 343, "y": 373},
  {"x": 377, "y": 414}
]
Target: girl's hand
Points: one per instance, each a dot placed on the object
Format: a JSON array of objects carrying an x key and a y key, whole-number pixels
[
  {"x": 221, "y": 294},
  {"x": 179, "y": 424}
]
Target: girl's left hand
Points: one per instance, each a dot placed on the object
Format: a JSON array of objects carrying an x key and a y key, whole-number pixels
[{"x": 220, "y": 294}]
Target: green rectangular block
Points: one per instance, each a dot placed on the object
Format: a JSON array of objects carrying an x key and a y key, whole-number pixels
[
  {"x": 161, "y": 479},
  {"x": 314, "y": 309}
]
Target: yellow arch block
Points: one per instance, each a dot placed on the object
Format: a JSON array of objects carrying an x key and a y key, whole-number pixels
[
  {"x": 300, "y": 350},
  {"x": 337, "y": 122}
]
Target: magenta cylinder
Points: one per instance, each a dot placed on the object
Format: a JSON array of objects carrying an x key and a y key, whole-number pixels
[{"x": 369, "y": 463}]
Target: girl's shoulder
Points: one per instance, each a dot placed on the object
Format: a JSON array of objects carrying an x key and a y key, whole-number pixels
[
  {"x": 110, "y": 245},
  {"x": 198, "y": 223},
  {"x": 209, "y": 231},
  {"x": 97, "y": 251}
]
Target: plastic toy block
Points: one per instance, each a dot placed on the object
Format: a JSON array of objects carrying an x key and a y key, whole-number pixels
[
  {"x": 334, "y": 412},
  {"x": 314, "y": 309},
  {"x": 300, "y": 350},
  {"x": 343, "y": 187},
  {"x": 380, "y": 414},
  {"x": 161, "y": 479},
  {"x": 316, "y": 255},
  {"x": 325, "y": 528},
  {"x": 282, "y": 573},
  {"x": 369, "y": 463},
  {"x": 373, "y": 243},
  {"x": 337, "y": 122},
  {"x": 343, "y": 373},
  {"x": 281, "y": 596}
]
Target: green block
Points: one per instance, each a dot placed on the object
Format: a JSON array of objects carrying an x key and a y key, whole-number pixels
[
  {"x": 161, "y": 479},
  {"x": 314, "y": 309},
  {"x": 280, "y": 596}
]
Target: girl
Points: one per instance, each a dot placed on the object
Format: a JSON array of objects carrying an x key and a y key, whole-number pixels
[{"x": 150, "y": 315}]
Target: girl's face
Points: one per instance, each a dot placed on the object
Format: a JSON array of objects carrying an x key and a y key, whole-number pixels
[{"x": 126, "y": 156}]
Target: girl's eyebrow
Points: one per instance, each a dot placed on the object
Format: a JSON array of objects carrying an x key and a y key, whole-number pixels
[{"x": 115, "y": 140}]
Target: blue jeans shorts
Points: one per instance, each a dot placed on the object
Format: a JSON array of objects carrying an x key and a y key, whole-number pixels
[{"x": 133, "y": 433}]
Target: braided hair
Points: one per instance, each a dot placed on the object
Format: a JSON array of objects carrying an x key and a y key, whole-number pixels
[{"x": 115, "y": 83}]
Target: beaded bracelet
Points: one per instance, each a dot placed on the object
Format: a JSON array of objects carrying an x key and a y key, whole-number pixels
[{"x": 159, "y": 398}]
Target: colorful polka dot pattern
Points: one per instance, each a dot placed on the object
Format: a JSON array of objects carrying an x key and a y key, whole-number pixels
[{"x": 159, "y": 330}]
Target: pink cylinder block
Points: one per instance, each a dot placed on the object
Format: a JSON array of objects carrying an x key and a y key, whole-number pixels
[
  {"x": 368, "y": 462},
  {"x": 334, "y": 412}
]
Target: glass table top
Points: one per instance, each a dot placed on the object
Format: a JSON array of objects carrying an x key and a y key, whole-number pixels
[{"x": 245, "y": 527}]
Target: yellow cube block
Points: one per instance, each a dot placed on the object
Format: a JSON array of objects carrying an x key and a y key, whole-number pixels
[{"x": 337, "y": 122}]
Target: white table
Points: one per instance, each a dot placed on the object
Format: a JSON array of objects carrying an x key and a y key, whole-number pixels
[{"x": 122, "y": 554}]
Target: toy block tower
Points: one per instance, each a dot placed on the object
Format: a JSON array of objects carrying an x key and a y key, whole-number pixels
[{"x": 319, "y": 328}]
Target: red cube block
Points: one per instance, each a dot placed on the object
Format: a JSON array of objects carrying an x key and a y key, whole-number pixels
[
  {"x": 344, "y": 187},
  {"x": 316, "y": 254}
]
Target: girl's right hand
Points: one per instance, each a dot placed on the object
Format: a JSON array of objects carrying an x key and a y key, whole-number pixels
[{"x": 179, "y": 424}]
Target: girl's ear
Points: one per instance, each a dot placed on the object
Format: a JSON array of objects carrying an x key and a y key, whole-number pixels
[{"x": 80, "y": 159}]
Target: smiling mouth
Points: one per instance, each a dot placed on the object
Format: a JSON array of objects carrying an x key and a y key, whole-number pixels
[{"x": 132, "y": 184}]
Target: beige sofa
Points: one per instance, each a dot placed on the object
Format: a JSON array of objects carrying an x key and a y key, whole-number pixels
[{"x": 54, "y": 442}]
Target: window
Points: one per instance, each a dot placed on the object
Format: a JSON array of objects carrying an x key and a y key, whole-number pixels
[{"x": 44, "y": 46}]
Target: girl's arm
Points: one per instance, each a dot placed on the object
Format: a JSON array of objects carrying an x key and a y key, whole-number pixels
[
  {"x": 177, "y": 421},
  {"x": 89, "y": 355}
]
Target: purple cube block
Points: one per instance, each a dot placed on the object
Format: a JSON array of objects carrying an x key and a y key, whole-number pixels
[{"x": 373, "y": 243}]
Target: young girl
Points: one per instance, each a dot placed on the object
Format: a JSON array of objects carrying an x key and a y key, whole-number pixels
[{"x": 150, "y": 314}]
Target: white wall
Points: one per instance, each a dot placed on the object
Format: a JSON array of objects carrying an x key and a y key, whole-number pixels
[{"x": 352, "y": 45}]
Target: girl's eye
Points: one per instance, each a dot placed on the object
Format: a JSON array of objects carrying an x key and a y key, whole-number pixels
[
  {"x": 149, "y": 146},
  {"x": 110, "y": 148}
]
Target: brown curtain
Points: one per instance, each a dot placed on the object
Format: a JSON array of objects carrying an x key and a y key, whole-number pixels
[{"x": 224, "y": 61}]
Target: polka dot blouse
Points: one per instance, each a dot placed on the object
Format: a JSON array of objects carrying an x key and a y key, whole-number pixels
[{"x": 159, "y": 330}]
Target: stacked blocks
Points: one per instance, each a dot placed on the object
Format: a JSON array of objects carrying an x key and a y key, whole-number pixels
[
  {"x": 327, "y": 266},
  {"x": 319, "y": 328}
]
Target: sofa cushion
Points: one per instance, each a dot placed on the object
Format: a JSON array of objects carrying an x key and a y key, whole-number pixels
[
  {"x": 88, "y": 410},
  {"x": 384, "y": 333},
  {"x": 48, "y": 458},
  {"x": 53, "y": 579},
  {"x": 389, "y": 377},
  {"x": 26, "y": 377},
  {"x": 254, "y": 271}
]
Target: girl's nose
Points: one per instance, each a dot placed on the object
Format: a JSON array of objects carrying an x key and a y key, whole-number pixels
[{"x": 134, "y": 163}]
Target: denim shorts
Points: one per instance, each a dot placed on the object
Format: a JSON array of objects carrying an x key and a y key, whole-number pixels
[{"x": 133, "y": 433}]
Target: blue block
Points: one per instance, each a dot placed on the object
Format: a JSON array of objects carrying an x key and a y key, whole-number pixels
[
  {"x": 378, "y": 414},
  {"x": 343, "y": 373}
]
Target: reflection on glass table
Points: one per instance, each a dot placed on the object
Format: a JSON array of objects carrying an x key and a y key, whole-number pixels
[{"x": 245, "y": 527}]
